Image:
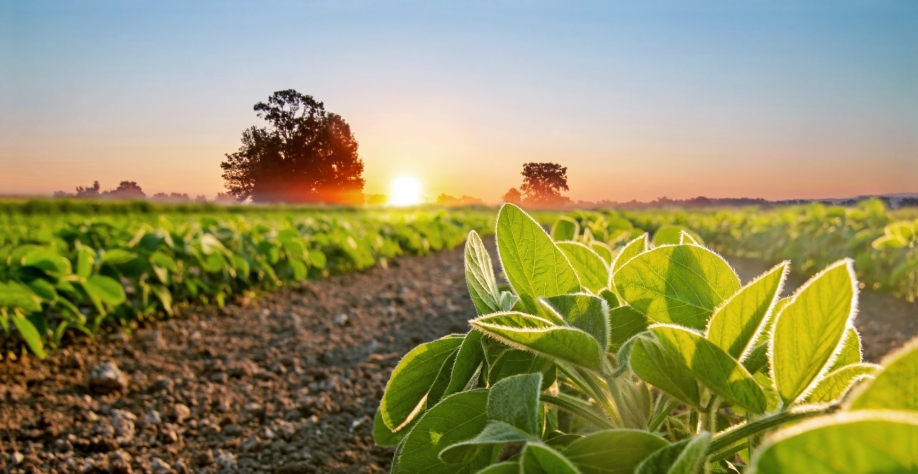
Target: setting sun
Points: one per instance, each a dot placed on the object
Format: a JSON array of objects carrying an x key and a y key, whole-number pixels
[{"x": 405, "y": 191}]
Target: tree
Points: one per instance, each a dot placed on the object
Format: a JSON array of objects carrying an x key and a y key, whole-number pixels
[
  {"x": 514, "y": 196},
  {"x": 543, "y": 183},
  {"x": 125, "y": 190},
  {"x": 305, "y": 154},
  {"x": 89, "y": 191}
]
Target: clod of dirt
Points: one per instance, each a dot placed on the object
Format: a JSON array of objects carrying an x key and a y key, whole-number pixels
[
  {"x": 180, "y": 412},
  {"x": 107, "y": 378},
  {"x": 158, "y": 466}
]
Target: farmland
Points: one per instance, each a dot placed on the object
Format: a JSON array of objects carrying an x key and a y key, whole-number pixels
[{"x": 283, "y": 371}]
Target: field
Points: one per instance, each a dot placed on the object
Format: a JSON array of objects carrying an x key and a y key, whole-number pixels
[{"x": 262, "y": 340}]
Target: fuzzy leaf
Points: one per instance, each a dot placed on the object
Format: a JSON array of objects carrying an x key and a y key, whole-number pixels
[
  {"x": 851, "y": 352},
  {"x": 479, "y": 276},
  {"x": 712, "y": 366},
  {"x": 838, "y": 382},
  {"x": 624, "y": 323},
  {"x": 896, "y": 386},
  {"x": 533, "y": 264},
  {"x": 810, "y": 328},
  {"x": 469, "y": 358},
  {"x": 679, "y": 284},
  {"x": 684, "y": 457},
  {"x": 541, "y": 459},
  {"x": 847, "y": 443},
  {"x": 411, "y": 381},
  {"x": 736, "y": 323},
  {"x": 584, "y": 311},
  {"x": 612, "y": 451},
  {"x": 456, "y": 418},
  {"x": 542, "y": 337},
  {"x": 589, "y": 266},
  {"x": 515, "y": 401},
  {"x": 632, "y": 249},
  {"x": 662, "y": 369},
  {"x": 495, "y": 433}
]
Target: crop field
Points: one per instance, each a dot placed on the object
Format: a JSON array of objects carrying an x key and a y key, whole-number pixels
[{"x": 193, "y": 338}]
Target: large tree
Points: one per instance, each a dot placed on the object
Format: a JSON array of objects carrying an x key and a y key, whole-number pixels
[
  {"x": 305, "y": 154},
  {"x": 543, "y": 183}
]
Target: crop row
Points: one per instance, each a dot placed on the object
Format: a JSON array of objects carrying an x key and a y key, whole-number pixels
[
  {"x": 59, "y": 274},
  {"x": 884, "y": 248}
]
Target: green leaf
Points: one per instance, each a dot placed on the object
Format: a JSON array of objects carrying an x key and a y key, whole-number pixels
[
  {"x": 583, "y": 311},
  {"x": 104, "y": 289},
  {"x": 896, "y": 386},
  {"x": 299, "y": 269},
  {"x": 838, "y": 382},
  {"x": 164, "y": 296},
  {"x": 30, "y": 335},
  {"x": 624, "y": 323},
  {"x": 469, "y": 359},
  {"x": 630, "y": 250},
  {"x": 456, "y": 418},
  {"x": 712, "y": 366},
  {"x": 612, "y": 451},
  {"x": 515, "y": 401},
  {"x": 515, "y": 362},
  {"x": 43, "y": 290},
  {"x": 117, "y": 256},
  {"x": 317, "y": 258},
  {"x": 533, "y": 264},
  {"x": 85, "y": 259},
  {"x": 383, "y": 436},
  {"x": 542, "y": 337},
  {"x": 501, "y": 468},
  {"x": 736, "y": 324},
  {"x": 438, "y": 388},
  {"x": 411, "y": 380},
  {"x": 850, "y": 351},
  {"x": 846, "y": 443},
  {"x": 165, "y": 261},
  {"x": 679, "y": 284},
  {"x": 663, "y": 369},
  {"x": 538, "y": 458},
  {"x": 494, "y": 434},
  {"x": 672, "y": 235},
  {"x": 604, "y": 251},
  {"x": 589, "y": 266},
  {"x": 47, "y": 260},
  {"x": 479, "y": 276},
  {"x": 810, "y": 328},
  {"x": 685, "y": 457},
  {"x": 565, "y": 228}
]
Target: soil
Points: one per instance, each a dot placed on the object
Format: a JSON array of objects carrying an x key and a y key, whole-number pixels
[{"x": 287, "y": 383}]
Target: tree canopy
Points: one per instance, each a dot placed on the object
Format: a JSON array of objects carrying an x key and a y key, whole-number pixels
[
  {"x": 305, "y": 154},
  {"x": 543, "y": 183}
]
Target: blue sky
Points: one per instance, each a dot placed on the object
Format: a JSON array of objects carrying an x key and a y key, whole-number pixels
[{"x": 638, "y": 99}]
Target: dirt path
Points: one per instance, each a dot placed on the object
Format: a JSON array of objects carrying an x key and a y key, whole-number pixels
[{"x": 289, "y": 384}]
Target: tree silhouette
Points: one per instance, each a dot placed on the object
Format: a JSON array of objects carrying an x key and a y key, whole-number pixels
[
  {"x": 126, "y": 190},
  {"x": 543, "y": 183},
  {"x": 514, "y": 196},
  {"x": 305, "y": 154},
  {"x": 89, "y": 191}
]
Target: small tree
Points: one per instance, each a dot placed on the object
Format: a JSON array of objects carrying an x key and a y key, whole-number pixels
[
  {"x": 514, "y": 196},
  {"x": 543, "y": 183},
  {"x": 89, "y": 191}
]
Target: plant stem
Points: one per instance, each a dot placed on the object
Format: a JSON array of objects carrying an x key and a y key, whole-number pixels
[
  {"x": 599, "y": 394},
  {"x": 728, "y": 437},
  {"x": 576, "y": 410}
]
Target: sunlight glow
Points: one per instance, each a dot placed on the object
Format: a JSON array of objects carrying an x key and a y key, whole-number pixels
[{"x": 405, "y": 191}]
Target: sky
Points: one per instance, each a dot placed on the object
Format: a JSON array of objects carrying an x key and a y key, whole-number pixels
[{"x": 773, "y": 99}]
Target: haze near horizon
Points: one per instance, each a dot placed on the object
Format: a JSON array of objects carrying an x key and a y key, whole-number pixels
[{"x": 674, "y": 99}]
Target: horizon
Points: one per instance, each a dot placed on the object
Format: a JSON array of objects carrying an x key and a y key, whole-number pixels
[{"x": 676, "y": 99}]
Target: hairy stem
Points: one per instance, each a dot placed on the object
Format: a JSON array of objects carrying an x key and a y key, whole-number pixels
[
  {"x": 576, "y": 410},
  {"x": 600, "y": 396},
  {"x": 738, "y": 433}
]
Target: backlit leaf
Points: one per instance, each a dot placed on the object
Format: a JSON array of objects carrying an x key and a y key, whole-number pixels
[
  {"x": 541, "y": 459},
  {"x": 612, "y": 451},
  {"x": 479, "y": 276},
  {"x": 589, "y": 266},
  {"x": 896, "y": 386}
]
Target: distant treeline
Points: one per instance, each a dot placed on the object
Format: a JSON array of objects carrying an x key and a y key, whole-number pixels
[
  {"x": 45, "y": 206},
  {"x": 701, "y": 202}
]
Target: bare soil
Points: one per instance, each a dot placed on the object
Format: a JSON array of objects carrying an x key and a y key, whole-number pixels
[{"x": 288, "y": 383}]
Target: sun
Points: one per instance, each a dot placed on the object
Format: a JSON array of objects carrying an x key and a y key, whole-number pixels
[{"x": 405, "y": 191}]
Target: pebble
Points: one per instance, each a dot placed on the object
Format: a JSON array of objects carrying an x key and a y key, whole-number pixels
[
  {"x": 153, "y": 418},
  {"x": 107, "y": 378},
  {"x": 17, "y": 458},
  {"x": 341, "y": 320},
  {"x": 123, "y": 422},
  {"x": 180, "y": 412},
  {"x": 158, "y": 466}
]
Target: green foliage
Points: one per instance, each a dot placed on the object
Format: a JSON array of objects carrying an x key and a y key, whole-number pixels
[
  {"x": 77, "y": 272},
  {"x": 675, "y": 368}
]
